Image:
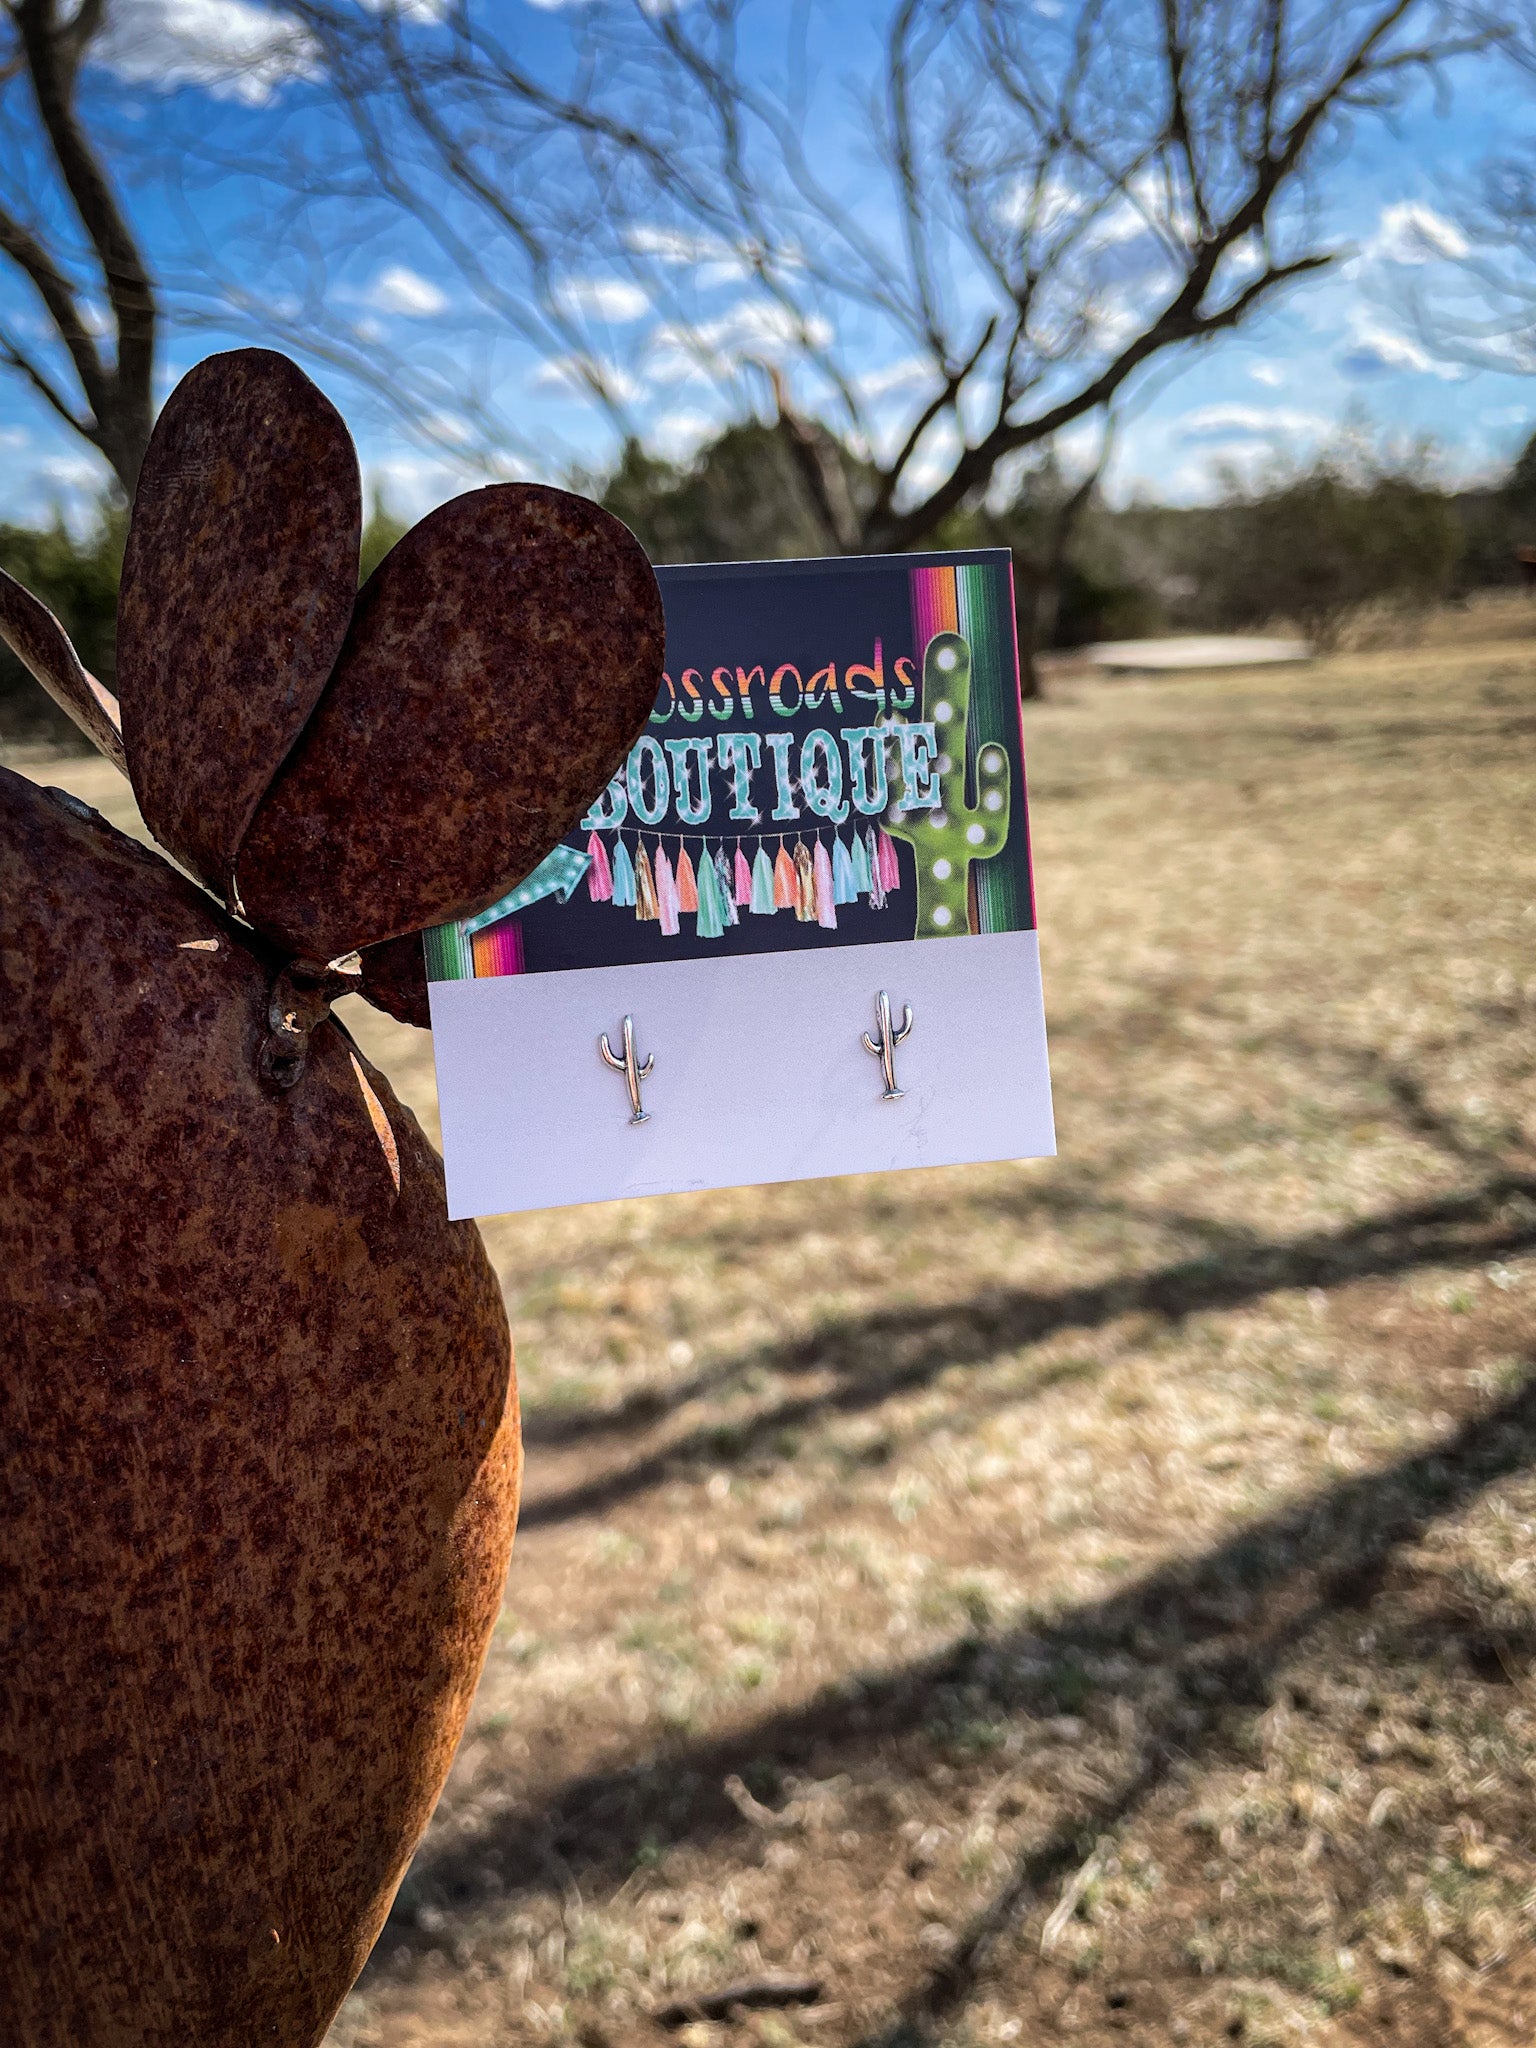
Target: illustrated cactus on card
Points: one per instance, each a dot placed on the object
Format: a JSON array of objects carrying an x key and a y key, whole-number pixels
[{"x": 948, "y": 839}]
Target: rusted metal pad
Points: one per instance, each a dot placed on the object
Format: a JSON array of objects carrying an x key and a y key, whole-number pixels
[
  {"x": 43, "y": 647},
  {"x": 501, "y": 661},
  {"x": 258, "y": 1470},
  {"x": 238, "y": 584},
  {"x": 395, "y": 980}
]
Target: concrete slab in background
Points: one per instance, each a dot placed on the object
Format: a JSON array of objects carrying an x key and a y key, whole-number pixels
[{"x": 1196, "y": 650}]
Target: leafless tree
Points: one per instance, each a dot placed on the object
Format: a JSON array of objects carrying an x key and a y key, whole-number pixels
[
  {"x": 64, "y": 229},
  {"x": 1041, "y": 526},
  {"x": 1050, "y": 202},
  {"x": 1479, "y": 307}
]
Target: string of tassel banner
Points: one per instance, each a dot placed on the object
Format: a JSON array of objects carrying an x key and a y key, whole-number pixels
[{"x": 717, "y": 888}]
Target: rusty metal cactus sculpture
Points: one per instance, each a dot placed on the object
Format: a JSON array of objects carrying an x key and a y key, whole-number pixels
[{"x": 258, "y": 1443}]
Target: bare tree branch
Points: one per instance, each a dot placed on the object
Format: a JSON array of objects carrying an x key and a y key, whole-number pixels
[
  {"x": 12, "y": 352},
  {"x": 59, "y": 297},
  {"x": 1054, "y": 202},
  {"x": 1486, "y": 315},
  {"x": 47, "y": 51}
]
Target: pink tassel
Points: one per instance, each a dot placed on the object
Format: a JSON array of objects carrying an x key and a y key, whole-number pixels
[
  {"x": 667, "y": 905},
  {"x": 826, "y": 906},
  {"x": 743, "y": 879},
  {"x": 890, "y": 866},
  {"x": 599, "y": 875}
]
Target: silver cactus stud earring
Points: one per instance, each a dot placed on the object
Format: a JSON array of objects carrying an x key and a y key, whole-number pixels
[
  {"x": 883, "y": 1045},
  {"x": 634, "y": 1072}
]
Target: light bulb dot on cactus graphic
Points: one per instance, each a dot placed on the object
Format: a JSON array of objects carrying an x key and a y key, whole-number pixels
[{"x": 948, "y": 839}]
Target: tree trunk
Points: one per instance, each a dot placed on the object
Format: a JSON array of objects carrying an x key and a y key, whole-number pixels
[
  {"x": 113, "y": 407},
  {"x": 1033, "y": 615}
]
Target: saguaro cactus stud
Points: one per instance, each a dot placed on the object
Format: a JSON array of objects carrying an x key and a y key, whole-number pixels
[
  {"x": 258, "y": 1440},
  {"x": 948, "y": 839}
]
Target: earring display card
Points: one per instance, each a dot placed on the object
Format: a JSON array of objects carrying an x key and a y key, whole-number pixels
[{"x": 832, "y": 778}]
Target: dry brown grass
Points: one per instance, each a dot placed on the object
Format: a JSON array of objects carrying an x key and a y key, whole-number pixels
[{"x": 1091, "y": 1599}]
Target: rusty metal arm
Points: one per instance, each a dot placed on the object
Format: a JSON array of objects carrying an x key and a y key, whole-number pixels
[{"x": 43, "y": 647}]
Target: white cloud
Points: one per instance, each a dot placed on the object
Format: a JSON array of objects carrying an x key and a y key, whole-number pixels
[
  {"x": 447, "y": 426},
  {"x": 1411, "y": 233},
  {"x": 73, "y": 472},
  {"x": 275, "y": 305},
  {"x": 398, "y": 290},
  {"x": 677, "y": 350},
  {"x": 671, "y": 245},
  {"x": 232, "y": 49},
  {"x": 1267, "y": 373},
  {"x": 425, "y": 11},
  {"x": 1243, "y": 259},
  {"x": 1115, "y": 318},
  {"x": 923, "y": 475},
  {"x": 677, "y": 436},
  {"x": 1145, "y": 212},
  {"x": 1080, "y": 444},
  {"x": 603, "y": 298},
  {"x": 1375, "y": 349},
  {"x": 576, "y": 374},
  {"x": 713, "y": 259},
  {"x": 411, "y": 485},
  {"x": 1233, "y": 422},
  {"x": 910, "y": 374},
  {"x": 1509, "y": 354},
  {"x": 1122, "y": 221},
  {"x": 1146, "y": 208},
  {"x": 69, "y": 486},
  {"x": 1048, "y": 205},
  {"x": 932, "y": 464},
  {"x": 1195, "y": 480}
]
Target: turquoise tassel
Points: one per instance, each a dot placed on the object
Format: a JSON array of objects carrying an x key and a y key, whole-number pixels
[
  {"x": 845, "y": 888},
  {"x": 862, "y": 879},
  {"x": 762, "y": 885},
  {"x": 623, "y": 878},
  {"x": 710, "y": 923}
]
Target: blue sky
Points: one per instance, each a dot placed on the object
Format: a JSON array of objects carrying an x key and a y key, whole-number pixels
[{"x": 1346, "y": 342}]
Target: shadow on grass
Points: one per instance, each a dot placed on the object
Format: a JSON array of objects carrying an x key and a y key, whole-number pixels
[
  {"x": 1188, "y": 1644},
  {"x": 557, "y": 1427},
  {"x": 1497, "y": 1219},
  {"x": 1400, "y": 1091}
]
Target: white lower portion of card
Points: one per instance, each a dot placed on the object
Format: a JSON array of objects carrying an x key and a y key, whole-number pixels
[{"x": 759, "y": 1071}]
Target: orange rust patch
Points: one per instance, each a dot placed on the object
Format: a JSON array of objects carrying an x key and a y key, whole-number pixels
[{"x": 382, "y": 1131}]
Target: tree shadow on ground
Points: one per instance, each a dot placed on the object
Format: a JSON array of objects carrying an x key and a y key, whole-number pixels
[
  {"x": 558, "y": 1427},
  {"x": 1062, "y": 1199},
  {"x": 1494, "y": 1220},
  {"x": 1191, "y": 1644}
]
